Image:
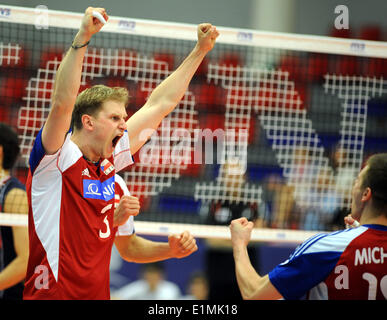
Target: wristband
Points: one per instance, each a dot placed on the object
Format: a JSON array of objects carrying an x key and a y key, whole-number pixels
[{"x": 81, "y": 46}]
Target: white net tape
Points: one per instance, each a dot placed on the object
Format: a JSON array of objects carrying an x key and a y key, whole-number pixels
[{"x": 198, "y": 231}]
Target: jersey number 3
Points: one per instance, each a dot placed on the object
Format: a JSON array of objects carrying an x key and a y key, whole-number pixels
[{"x": 106, "y": 234}]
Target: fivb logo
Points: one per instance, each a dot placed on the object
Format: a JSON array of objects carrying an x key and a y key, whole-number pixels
[
  {"x": 95, "y": 189},
  {"x": 5, "y": 12}
]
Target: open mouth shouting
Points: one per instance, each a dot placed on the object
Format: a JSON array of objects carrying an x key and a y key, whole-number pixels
[{"x": 115, "y": 140}]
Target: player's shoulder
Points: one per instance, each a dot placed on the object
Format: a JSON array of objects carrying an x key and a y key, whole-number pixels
[
  {"x": 328, "y": 242},
  {"x": 15, "y": 183},
  {"x": 39, "y": 158}
]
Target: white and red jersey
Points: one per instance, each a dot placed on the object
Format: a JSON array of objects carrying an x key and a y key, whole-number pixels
[
  {"x": 120, "y": 190},
  {"x": 344, "y": 265},
  {"x": 71, "y": 221}
]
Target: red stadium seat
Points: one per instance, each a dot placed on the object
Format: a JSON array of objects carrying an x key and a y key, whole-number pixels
[
  {"x": 13, "y": 88},
  {"x": 289, "y": 97},
  {"x": 212, "y": 121},
  {"x": 93, "y": 63},
  {"x": 163, "y": 65},
  {"x": 84, "y": 86},
  {"x": 117, "y": 82},
  {"x": 50, "y": 54},
  {"x": 141, "y": 93},
  {"x": 208, "y": 95},
  {"x": 31, "y": 119},
  {"x": 13, "y": 56},
  {"x": 317, "y": 66},
  {"x": 168, "y": 58},
  {"x": 232, "y": 62},
  {"x": 371, "y": 32},
  {"x": 41, "y": 89},
  {"x": 375, "y": 67},
  {"x": 123, "y": 63},
  {"x": 202, "y": 69},
  {"x": 340, "y": 33},
  {"x": 294, "y": 65},
  {"x": 346, "y": 66},
  {"x": 5, "y": 114}
]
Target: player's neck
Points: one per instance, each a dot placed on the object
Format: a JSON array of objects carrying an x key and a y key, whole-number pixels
[
  {"x": 373, "y": 219},
  {"x": 86, "y": 148}
]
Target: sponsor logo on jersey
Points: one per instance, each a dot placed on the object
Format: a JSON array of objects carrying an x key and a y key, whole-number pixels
[
  {"x": 95, "y": 189},
  {"x": 86, "y": 173}
]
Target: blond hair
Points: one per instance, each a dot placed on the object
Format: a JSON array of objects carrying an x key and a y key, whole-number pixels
[{"x": 90, "y": 101}]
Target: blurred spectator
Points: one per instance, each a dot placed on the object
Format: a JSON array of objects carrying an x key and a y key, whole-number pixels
[
  {"x": 279, "y": 205},
  {"x": 14, "y": 249},
  {"x": 345, "y": 174},
  {"x": 152, "y": 286},
  {"x": 325, "y": 202},
  {"x": 232, "y": 179},
  {"x": 197, "y": 287},
  {"x": 219, "y": 257},
  {"x": 303, "y": 177}
]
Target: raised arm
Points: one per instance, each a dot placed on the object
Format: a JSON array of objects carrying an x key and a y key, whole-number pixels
[
  {"x": 251, "y": 284},
  {"x": 67, "y": 83},
  {"x": 168, "y": 93}
]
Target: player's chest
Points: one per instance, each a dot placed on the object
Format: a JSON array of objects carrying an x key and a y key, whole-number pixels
[{"x": 92, "y": 183}]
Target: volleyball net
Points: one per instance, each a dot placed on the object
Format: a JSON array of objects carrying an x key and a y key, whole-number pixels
[{"x": 273, "y": 127}]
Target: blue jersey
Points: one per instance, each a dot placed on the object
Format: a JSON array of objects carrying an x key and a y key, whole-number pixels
[
  {"x": 7, "y": 251},
  {"x": 348, "y": 264}
]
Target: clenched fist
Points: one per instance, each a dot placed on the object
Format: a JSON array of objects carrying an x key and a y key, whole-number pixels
[
  {"x": 241, "y": 231},
  {"x": 207, "y": 35},
  {"x": 128, "y": 206},
  {"x": 91, "y": 25},
  {"x": 182, "y": 245}
]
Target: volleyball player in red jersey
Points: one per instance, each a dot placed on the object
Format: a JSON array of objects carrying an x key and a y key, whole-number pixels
[
  {"x": 72, "y": 174},
  {"x": 348, "y": 264}
]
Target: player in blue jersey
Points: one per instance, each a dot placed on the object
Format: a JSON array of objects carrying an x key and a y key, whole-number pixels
[
  {"x": 347, "y": 264},
  {"x": 13, "y": 240}
]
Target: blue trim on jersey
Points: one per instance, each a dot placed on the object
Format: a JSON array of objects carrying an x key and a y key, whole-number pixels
[
  {"x": 37, "y": 152},
  {"x": 310, "y": 264},
  {"x": 305, "y": 245},
  {"x": 376, "y": 227},
  {"x": 298, "y": 275}
]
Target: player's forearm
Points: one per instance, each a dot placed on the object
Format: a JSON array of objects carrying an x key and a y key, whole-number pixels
[
  {"x": 247, "y": 278},
  {"x": 141, "y": 250},
  {"x": 13, "y": 273},
  {"x": 169, "y": 92},
  {"x": 68, "y": 76}
]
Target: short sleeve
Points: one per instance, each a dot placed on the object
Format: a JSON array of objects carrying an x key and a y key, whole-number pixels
[
  {"x": 122, "y": 155},
  {"x": 127, "y": 228},
  {"x": 310, "y": 264}
]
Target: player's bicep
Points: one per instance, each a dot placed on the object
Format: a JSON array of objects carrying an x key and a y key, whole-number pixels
[
  {"x": 266, "y": 290},
  {"x": 142, "y": 125},
  {"x": 55, "y": 129},
  {"x": 124, "y": 245}
]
